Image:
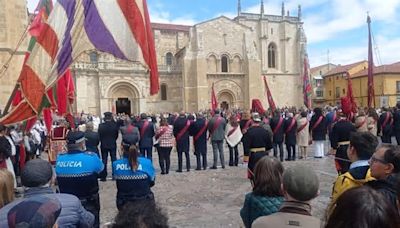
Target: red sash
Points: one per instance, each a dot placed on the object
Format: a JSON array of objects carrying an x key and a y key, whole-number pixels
[
  {"x": 386, "y": 120},
  {"x": 317, "y": 123},
  {"x": 362, "y": 123},
  {"x": 246, "y": 126},
  {"x": 144, "y": 128},
  {"x": 232, "y": 131},
  {"x": 202, "y": 130},
  {"x": 162, "y": 131},
  {"x": 334, "y": 117},
  {"x": 216, "y": 125},
  {"x": 183, "y": 130},
  {"x": 279, "y": 125},
  {"x": 129, "y": 129},
  {"x": 290, "y": 126},
  {"x": 302, "y": 127}
]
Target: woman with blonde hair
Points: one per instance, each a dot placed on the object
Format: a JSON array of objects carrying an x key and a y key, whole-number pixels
[
  {"x": 6, "y": 187},
  {"x": 266, "y": 197}
]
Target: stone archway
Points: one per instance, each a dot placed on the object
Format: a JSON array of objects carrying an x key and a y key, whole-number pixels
[
  {"x": 123, "y": 97},
  {"x": 226, "y": 99}
]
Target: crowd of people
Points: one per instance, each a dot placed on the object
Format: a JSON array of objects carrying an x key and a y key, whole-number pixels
[{"x": 280, "y": 196}]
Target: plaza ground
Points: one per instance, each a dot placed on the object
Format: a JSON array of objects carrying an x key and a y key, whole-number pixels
[{"x": 212, "y": 198}]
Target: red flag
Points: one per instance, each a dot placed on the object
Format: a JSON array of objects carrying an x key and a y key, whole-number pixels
[
  {"x": 214, "y": 102},
  {"x": 256, "y": 106},
  {"x": 306, "y": 83},
  {"x": 48, "y": 119},
  {"x": 371, "y": 92},
  {"x": 271, "y": 102}
]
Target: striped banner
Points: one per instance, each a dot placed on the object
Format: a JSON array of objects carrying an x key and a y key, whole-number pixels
[{"x": 119, "y": 27}]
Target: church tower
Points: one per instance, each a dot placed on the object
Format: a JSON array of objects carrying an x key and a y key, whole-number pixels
[{"x": 13, "y": 23}]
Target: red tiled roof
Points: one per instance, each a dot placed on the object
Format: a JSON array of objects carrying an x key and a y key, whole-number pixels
[
  {"x": 343, "y": 69},
  {"x": 389, "y": 68},
  {"x": 160, "y": 26}
]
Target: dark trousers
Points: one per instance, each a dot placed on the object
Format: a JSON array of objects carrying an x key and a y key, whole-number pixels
[
  {"x": 104, "y": 157},
  {"x": 147, "y": 152},
  {"x": 233, "y": 155},
  {"x": 276, "y": 145},
  {"x": 387, "y": 138},
  {"x": 397, "y": 134},
  {"x": 16, "y": 161},
  {"x": 92, "y": 204},
  {"x": 164, "y": 158},
  {"x": 199, "y": 157},
  {"x": 342, "y": 163},
  {"x": 254, "y": 158},
  {"x": 180, "y": 158},
  {"x": 291, "y": 150}
]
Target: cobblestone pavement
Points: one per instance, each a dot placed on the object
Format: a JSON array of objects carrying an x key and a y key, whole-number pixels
[{"x": 212, "y": 198}]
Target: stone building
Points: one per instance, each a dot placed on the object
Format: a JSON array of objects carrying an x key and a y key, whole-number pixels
[
  {"x": 232, "y": 54},
  {"x": 13, "y": 23}
]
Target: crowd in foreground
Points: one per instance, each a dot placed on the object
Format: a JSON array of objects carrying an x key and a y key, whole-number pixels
[{"x": 280, "y": 198}]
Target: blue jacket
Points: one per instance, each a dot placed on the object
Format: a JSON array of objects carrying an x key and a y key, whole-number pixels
[
  {"x": 77, "y": 173},
  {"x": 133, "y": 185},
  {"x": 73, "y": 214}
]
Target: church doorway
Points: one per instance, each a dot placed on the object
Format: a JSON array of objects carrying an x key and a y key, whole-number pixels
[
  {"x": 226, "y": 100},
  {"x": 123, "y": 105},
  {"x": 224, "y": 105}
]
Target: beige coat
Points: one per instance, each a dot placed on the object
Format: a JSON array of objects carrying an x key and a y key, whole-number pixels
[
  {"x": 303, "y": 136},
  {"x": 361, "y": 123},
  {"x": 372, "y": 126},
  {"x": 289, "y": 220}
]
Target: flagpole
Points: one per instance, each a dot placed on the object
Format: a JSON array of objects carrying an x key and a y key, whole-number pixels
[
  {"x": 371, "y": 92},
  {"x": 7, "y": 107}
]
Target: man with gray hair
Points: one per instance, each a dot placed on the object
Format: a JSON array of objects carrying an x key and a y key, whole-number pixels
[
  {"x": 38, "y": 177},
  {"x": 77, "y": 172},
  {"x": 300, "y": 185}
]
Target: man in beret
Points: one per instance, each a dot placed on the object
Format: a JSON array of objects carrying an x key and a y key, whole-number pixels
[
  {"x": 300, "y": 185},
  {"x": 77, "y": 172},
  {"x": 37, "y": 177}
]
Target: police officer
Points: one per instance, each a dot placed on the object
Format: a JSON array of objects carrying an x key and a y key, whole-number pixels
[
  {"x": 108, "y": 134},
  {"x": 340, "y": 141},
  {"x": 134, "y": 176},
  {"x": 259, "y": 143},
  {"x": 77, "y": 173}
]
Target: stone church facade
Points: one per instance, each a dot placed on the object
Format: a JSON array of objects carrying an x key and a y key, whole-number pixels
[{"x": 232, "y": 54}]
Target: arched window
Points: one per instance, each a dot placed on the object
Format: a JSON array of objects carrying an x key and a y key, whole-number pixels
[
  {"x": 163, "y": 92},
  {"x": 93, "y": 57},
  {"x": 224, "y": 63},
  {"x": 271, "y": 56},
  {"x": 168, "y": 59}
]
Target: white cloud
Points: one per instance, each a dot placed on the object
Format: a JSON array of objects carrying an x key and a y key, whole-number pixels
[{"x": 160, "y": 15}]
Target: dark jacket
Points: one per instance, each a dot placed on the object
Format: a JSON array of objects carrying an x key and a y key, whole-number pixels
[
  {"x": 146, "y": 136},
  {"x": 279, "y": 133},
  {"x": 201, "y": 144},
  {"x": 108, "y": 134},
  {"x": 290, "y": 134},
  {"x": 256, "y": 206},
  {"x": 257, "y": 137},
  {"x": 387, "y": 188},
  {"x": 341, "y": 132},
  {"x": 182, "y": 144},
  {"x": 73, "y": 214},
  {"x": 388, "y": 128},
  {"x": 319, "y": 132},
  {"x": 92, "y": 141},
  {"x": 130, "y": 133},
  {"x": 396, "y": 122}
]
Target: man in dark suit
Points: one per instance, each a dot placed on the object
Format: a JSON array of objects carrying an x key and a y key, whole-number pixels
[
  {"x": 181, "y": 133},
  {"x": 108, "y": 134},
  {"x": 278, "y": 132},
  {"x": 146, "y": 130},
  {"x": 396, "y": 123},
  {"x": 385, "y": 126},
  {"x": 290, "y": 126},
  {"x": 198, "y": 130}
]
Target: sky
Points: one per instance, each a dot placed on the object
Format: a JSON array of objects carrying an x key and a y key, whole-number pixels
[{"x": 336, "y": 30}]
